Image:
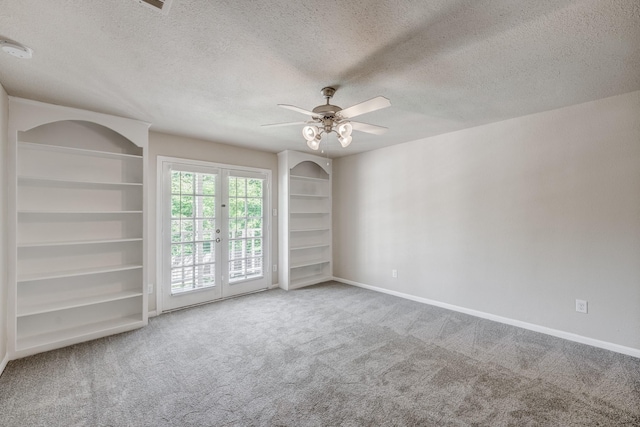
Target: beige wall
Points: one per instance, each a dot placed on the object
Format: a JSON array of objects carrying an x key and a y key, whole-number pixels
[
  {"x": 4, "y": 125},
  {"x": 188, "y": 148},
  {"x": 515, "y": 219}
]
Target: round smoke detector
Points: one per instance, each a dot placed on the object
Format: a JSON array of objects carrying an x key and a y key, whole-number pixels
[{"x": 16, "y": 49}]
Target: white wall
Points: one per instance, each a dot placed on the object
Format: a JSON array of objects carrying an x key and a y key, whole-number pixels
[
  {"x": 4, "y": 129},
  {"x": 515, "y": 219},
  {"x": 189, "y": 148}
]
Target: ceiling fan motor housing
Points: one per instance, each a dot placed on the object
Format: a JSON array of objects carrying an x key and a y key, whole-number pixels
[{"x": 327, "y": 111}]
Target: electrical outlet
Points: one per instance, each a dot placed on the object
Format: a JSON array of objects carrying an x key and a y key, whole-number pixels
[
  {"x": 275, "y": 267},
  {"x": 394, "y": 273},
  {"x": 581, "y": 306},
  {"x": 275, "y": 212},
  {"x": 150, "y": 288}
]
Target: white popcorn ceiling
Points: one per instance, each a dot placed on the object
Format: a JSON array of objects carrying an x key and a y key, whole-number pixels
[{"x": 216, "y": 69}]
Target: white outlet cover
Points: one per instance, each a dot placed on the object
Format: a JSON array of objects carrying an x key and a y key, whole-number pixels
[{"x": 581, "y": 306}]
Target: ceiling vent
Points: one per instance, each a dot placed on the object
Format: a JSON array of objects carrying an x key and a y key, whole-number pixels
[{"x": 157, "y": 5}]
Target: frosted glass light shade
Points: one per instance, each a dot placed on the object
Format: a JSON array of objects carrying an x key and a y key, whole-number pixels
[
  {"x": 345, "y": 129},
  {"x": 345, "y": 141},
  {"x": 314, "y": 143},
  {"x": 310, "y": 132}
]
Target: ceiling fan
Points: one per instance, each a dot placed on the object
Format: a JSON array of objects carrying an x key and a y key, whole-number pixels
[{"x": 329, "y": 118}]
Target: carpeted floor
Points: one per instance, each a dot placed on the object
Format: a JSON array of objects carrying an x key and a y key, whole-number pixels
[{"x": 327, "y": 355}]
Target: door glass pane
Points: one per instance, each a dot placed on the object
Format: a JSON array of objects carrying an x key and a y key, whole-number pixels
[
  {"x": 192, "y": 231},
  {"x": 245, "y": 228}
]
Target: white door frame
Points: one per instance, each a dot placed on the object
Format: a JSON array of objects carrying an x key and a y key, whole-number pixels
[{"x": 160, "y": 220}]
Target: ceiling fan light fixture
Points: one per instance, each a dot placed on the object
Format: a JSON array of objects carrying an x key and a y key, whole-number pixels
[
  {"x": 345, "y": 141},
  {"x": 327, "y": 118},
  {"x": 345, "y": 129},
  {"x": 314, "y": 143},
  {"x": 310, "y": 132}
]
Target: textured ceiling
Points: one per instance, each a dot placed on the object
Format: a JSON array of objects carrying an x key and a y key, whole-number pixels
[{"x": 216, "y": 69}]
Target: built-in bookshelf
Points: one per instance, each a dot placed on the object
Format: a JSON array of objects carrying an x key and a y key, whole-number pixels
[
  {"x": 78, "y": 259},
  {"x": 305, "y": 219}
]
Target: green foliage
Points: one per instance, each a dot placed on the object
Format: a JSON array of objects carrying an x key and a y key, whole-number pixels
[{"x": 193, "y": 225}]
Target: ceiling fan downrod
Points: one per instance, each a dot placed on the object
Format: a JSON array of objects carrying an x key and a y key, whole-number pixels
[{"x": 328, "y": 92}]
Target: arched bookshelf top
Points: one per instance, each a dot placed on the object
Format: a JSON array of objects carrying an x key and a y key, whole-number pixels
[
  {"x": 310, "y": 169},
  {"x": 74, "y": 133},
  {"x": 303, "y": 164},
  {"x": 28, "y": 114}
]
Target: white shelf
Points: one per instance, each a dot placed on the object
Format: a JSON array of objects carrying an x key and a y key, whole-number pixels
[
  {"x": 308, "y": 212},
  {"x": 78, "y": 183},
  {"x": 310, "y": 196},
  {"x": 74, "y": 150},
  {"x": 306, "y": 230},
  {"x": 310, "y": 263},
  {"x": 75, "y": 273},
  {"x": 78, "y": 333},
  {"x": 308, "y": 178},
  {"x": 77, "y": 242},
  {"x": 26, "y": 309},
  {"x": 309, "y": 280},
  {"x": 30, "y": 212},
  {"x": 301, "y": 248}
]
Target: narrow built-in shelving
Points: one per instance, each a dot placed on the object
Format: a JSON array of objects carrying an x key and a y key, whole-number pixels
[{"x": 305, "y": 220}]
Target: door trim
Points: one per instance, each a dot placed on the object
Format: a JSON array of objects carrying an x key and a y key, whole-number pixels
[{"x": 159, "y": 235}]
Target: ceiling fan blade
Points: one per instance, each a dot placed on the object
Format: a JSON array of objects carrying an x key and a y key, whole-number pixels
[
  {"x": 300, "y": 110},
  {"x": 365, "y": 127},
  {"x": 273, "y": 125},
  {"x": 364, "y": 107}
]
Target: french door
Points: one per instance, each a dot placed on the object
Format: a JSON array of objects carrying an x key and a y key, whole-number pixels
[{"x": 215, "y": 232}]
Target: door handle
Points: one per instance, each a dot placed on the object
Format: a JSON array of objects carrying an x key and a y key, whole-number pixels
[{"x": 218, "y": 240}]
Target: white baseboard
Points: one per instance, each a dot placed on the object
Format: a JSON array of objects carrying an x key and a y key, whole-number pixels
[
  {"x": 629, "y": 351},
  {"x": 153, "y": 313},
  {"x": 4, "y": 362}
]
